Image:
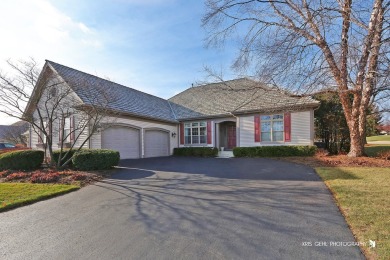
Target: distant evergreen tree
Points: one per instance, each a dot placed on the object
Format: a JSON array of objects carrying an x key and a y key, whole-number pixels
[{"x": 331, "y": 126}]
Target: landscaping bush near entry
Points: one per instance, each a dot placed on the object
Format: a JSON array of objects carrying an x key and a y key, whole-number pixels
[
  {"x": 274, "y": 151},
  {"x": 95, "y": 159},
  {"x": 56, "y": 155},
  {"x": 21, "y": 160},
  {"x": 196, "y": 151}
]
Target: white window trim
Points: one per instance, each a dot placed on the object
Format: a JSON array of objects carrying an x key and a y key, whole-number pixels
[
  {"x": 271, "y": 120},
  {"x": 65, "y": 134},
  {"x": 199, "y": 135}
]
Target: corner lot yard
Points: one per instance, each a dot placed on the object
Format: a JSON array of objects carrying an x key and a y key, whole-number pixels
[
  {"x": 378, "y": 138},
  {"x": 192, "y": 208},
  {"x": 16, "y": 194},
  {"x": 360, "y": 187},
  {"x": 363, "y": 196}
]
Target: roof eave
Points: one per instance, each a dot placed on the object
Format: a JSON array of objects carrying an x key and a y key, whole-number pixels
[
  {"x": 253, "y": 111},
  {"x": 124, "y": 113}
]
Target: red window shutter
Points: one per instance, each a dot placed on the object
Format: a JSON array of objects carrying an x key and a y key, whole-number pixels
[
  {"x": 209, "y": 135},
  {"x": 72, "y": 130},
  {"x": 257, "y": 129},
  {"x": 287, "y": 127},
  {"x": 181, "y": 133}
]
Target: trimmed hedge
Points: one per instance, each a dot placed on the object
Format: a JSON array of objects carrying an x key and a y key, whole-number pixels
[
  {"x": 95, "y": 159},
  {"x": 21, "y": 160},
  {"x": 274, "y": 151},
  {"x": 196, "y": 151},
  {"x": 56, "y": 154}
]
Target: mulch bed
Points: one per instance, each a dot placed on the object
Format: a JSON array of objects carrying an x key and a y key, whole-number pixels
[
  {"x": 53, "y": 176},
  {"x": 338, "y": 161}
]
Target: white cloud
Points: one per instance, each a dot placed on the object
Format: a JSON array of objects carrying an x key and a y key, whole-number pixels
[
  {"x": 35, "y": 28},
  {"x": 84, "y": 28}
]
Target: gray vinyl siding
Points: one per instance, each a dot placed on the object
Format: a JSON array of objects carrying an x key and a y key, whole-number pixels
[
  {"x": 81, "y": 136},
  {"x": 301, "y": 130},
  {"x": 96, "y": 141},
  {"x": 247, "y": 131},
  {"x": 34, "y": 139}
]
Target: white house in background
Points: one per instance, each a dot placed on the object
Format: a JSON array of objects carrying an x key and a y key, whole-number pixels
[{"x": 236, "y": 113}]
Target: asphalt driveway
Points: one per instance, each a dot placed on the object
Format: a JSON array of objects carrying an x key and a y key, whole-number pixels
[{"x": 185, "y": 208}]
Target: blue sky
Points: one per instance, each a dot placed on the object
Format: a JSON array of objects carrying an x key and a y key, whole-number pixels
[{"x": 156, "y": 46}]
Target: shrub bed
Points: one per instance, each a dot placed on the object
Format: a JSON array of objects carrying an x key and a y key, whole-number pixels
[
  {"x": 385, "y": 154},
  {"x": 56, "y": 155},
  {"x": 42, "y": 177},
  {"x": 21, "y": 160},
  {"x": 196, "y": 151},
  {"x": 17, "y": 176},
  {"x": 95, "y": 159},
  {"x": 274, "y": 151}
]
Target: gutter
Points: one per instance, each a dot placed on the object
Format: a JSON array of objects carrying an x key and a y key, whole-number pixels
[
  {"x": 122, "y": 113},
  {"x": 229, "y": 114}
]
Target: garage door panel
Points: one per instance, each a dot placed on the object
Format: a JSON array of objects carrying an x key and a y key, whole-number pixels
[
  {"x": 126, "y": 140},
  {"x": 156, "y": 143}
]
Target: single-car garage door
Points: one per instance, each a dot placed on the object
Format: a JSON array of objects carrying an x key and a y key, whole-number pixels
[
  {"x": 126, "y": 140},
  {"x": 156, "y": 143}
]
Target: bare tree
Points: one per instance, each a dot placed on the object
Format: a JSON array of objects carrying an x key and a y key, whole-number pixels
[
  {"x": 15, "y": 133},
  {"x": 307, "y": 45},
  {"x": 56, "y": 114}
]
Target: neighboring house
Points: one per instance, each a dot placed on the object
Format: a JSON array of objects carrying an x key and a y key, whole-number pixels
[
  {"x": 14, "y": 133},
  {"x": 233, "y": 113},
  {"x": 3, "y": 132}
]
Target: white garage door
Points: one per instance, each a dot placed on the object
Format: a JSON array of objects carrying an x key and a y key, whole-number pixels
[
  {"x": 126, "y": 140},
  {"x": 156, "y": 143}
]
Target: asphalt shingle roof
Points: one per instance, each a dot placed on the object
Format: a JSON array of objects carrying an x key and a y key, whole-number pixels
[
  {"x": 235, "y": 96},
  {"x": 123, "y": 99},
  {"x": 216, "y": 99}
]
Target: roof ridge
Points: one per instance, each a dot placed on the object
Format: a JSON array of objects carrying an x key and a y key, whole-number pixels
[
  {"x": 109, "y": 81},
  {"x": 224, "y": 81}
]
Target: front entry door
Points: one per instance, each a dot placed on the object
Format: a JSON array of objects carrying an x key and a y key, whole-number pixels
[{"x": 231, "y": 136}]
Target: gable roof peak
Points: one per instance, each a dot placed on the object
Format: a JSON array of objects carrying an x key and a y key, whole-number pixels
[{"x": 124, "y": 99}]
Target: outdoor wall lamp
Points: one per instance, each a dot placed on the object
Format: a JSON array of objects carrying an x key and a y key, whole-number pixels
[{"x": 173, "y": 134}]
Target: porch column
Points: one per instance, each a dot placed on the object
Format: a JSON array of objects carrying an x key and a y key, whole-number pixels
[{"x": 216, "y": 135}]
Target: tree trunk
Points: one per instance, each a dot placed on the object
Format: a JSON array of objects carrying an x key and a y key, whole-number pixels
[{"x": 357, "y": 145}]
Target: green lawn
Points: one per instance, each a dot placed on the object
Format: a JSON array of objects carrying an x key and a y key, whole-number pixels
[
  {"x": 18, "y": 194},
  {"x": 378, "y": 138},
  {"x": 372, "y": 150},
  {"x": 362, "y": 194}
]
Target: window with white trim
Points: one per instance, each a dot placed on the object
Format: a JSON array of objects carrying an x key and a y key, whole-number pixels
[
  {"x": 195, "y": 133},
  {"x": 41, "y": 136},
  {"x": 66, "y": 134},
  {"x": 272, "y": 128}
]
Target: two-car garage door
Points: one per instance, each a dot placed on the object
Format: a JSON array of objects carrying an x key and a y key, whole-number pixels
[{"x": 127, "y": 141}]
